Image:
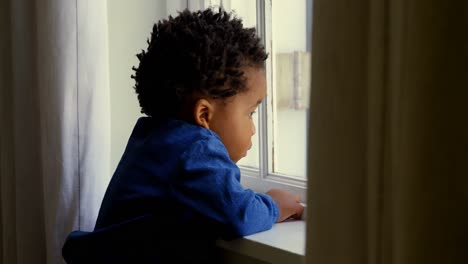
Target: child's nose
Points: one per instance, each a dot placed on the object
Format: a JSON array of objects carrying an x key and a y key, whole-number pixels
[{"x": 253, "y": 129}]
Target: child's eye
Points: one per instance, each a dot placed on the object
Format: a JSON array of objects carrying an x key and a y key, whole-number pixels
[{"x": 252, "y": 113}]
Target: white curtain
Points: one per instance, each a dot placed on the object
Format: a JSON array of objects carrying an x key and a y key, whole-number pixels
[
  {"x": 54, "y": 144},
  {"x": 388, "y": 162}
]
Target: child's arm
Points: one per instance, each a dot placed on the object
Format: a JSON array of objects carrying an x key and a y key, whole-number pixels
[{"x": 208, "y": 182}]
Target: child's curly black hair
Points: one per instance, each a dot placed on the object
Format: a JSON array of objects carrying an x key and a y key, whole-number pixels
[{"x": 195, "y": 54}]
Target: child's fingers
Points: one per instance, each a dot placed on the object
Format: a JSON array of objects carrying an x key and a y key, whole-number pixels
[
  {"x": 299, "y": 210},
  {"x": 298, "y": 199}
]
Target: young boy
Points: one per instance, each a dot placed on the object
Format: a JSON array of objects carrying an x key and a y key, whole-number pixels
[{"x": 176, "y": 189}]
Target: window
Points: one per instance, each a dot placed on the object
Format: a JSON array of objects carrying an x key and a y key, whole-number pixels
[{"x": 278, "y": 155}]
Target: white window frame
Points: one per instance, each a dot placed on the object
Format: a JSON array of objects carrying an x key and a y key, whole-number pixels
[{"x": 262, "y": 179}]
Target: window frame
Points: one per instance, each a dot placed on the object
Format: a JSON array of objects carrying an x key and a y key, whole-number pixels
[{"x": 263, "y": 178}]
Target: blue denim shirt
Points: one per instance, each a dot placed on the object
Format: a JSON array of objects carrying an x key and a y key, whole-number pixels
[
  {"x": 187, "y": 170},
  {"x": 174, "y": 190}
]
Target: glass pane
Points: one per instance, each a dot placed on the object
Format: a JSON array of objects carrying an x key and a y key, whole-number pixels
[
  {"x": 246, "y": 10},
  {"x": 291, "y": 25}
]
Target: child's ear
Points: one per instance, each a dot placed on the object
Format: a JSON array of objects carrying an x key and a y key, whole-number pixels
[{"x": 203, "y": 112}]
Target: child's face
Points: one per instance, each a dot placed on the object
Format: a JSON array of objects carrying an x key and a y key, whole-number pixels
[{"x": 232, "y": 118}]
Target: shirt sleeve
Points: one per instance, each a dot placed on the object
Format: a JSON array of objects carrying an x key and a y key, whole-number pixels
[{"x": 209, "y": 182}]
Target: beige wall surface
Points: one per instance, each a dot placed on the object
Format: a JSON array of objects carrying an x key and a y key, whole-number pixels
[{"x": 130, "y": 25}]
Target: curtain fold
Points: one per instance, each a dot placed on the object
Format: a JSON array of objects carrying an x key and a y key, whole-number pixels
[
  {"x": 388, "y": 133},
  {"x": 7, "y": 184},
  {"x": 55, "y": 146}
]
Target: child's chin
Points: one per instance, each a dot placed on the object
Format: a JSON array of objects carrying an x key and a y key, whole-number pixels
[{"x": 238, "y": 159}]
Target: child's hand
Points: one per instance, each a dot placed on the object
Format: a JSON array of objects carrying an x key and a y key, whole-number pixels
[{"x": 288, "y": 204}]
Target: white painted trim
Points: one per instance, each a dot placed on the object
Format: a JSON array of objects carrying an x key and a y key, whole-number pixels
[
  {"x": 284, "y": 243},
  {"x": 264, "y": 143}
]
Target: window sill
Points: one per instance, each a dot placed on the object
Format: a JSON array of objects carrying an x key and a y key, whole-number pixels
[{"x": 284, "y": 243}]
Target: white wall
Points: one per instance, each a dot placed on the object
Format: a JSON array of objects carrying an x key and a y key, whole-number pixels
[
  {"x": 130, "y": 25},
  {"x": 246, "y": 9}
]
